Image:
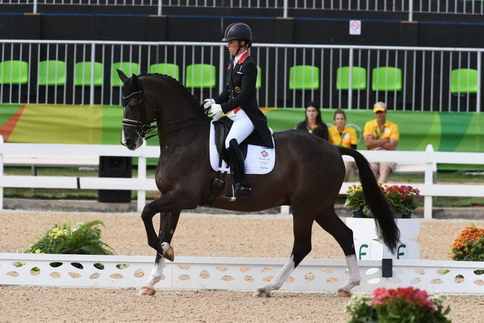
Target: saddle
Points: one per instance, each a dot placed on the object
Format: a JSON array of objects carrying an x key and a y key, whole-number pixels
[
  {"x": 222, "y": 128},
  {"x": 258, "y": 159}
]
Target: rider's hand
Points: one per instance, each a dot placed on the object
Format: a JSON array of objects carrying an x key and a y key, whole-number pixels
[
  {"x": 216, "y": 109},
  {"x": 207, "y": 103}
]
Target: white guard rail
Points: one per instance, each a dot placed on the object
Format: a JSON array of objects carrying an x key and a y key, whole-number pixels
[
  {"x": 243, "y": 274},
  {"x": 427, "y": 158}
]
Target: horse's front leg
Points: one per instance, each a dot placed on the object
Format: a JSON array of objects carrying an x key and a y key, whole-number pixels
[
  {"x": 168, "y": 222},
  {"x": 165, "y": 203}
]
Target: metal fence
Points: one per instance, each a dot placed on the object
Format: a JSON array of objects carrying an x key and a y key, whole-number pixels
[
  {"x": 409, "y": 7},
  {"x": 354, "y": 77}
]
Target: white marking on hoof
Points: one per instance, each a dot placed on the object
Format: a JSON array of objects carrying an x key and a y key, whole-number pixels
[
  {"x": 146, "y": 291},
  {"x": 343, "y": 293},
  {"x": 261, "y": 293},
  {"x": 168, "y": 251}
]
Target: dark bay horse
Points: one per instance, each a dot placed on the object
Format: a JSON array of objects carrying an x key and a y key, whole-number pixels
[{"x": 308, "y": 174}]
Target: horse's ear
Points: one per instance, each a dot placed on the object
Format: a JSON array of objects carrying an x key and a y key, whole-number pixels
[
  {"x": 136, "y": 81},
  {"x": 122, "y": 76}
]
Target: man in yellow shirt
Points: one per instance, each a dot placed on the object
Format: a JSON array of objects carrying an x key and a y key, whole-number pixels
[
  {"x": 340, "y": 135},
  {"x": 381, "y": 134}
]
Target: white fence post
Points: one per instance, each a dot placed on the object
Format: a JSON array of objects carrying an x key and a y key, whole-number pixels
[
  {"x": 410, "y": 10},
  {"x": 428, "y": 181},
  {"x": 159, "y": 7},
  {"x": 284, "y": 14},
  {"x": 1, "y": 173}
]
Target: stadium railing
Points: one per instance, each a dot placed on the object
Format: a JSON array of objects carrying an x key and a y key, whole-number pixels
[
  {"x": 426, "y": 78},
  {"x": 408, "y": 7}
]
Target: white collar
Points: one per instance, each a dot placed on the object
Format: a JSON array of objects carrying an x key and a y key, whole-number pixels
[{"x": 236, "y": 59}]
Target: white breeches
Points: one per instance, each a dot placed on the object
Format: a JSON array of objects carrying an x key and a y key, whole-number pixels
[{"x": 241, "y": 128}]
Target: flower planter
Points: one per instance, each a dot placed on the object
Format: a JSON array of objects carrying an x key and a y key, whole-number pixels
[{"x": 369, "y": 247}]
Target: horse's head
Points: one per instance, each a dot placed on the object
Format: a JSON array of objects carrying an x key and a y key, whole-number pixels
[{"x": 137, "y": 116}]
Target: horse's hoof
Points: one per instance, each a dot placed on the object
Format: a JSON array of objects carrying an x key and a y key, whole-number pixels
[
  {"x": 261, "y": 293},
  {"x": 168, "y": 251},
  {"x": 146, "y": 291},
  {"x": 343, "y": 293}
]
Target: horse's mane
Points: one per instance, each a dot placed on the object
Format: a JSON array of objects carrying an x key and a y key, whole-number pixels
[{"x": 177, "y": 85}]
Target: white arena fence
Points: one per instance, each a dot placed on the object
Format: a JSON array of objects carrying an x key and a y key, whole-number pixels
[
  {"x": 407, "y": 78},
  {"x": 244, "y": 274},
  {"x": 49, "y": 153},
  {"x": 408, "y": 7}
]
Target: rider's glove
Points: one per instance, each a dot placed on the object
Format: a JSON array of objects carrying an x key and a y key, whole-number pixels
[
  {"x": 216, "y": 109},
  {"x": 207, "y": 103}
]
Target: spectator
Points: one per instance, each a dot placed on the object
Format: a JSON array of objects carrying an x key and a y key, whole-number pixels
[
  {"x": 313, "y": 122},
  {"x": 340, "y": 135},
  {"x": 381, "y": 134}
]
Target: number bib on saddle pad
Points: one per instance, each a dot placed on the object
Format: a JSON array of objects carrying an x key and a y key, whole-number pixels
[{"x": 259, "y": 160}]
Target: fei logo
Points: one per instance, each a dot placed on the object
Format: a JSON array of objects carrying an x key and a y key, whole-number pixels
[{"x": 364, "y": 249}]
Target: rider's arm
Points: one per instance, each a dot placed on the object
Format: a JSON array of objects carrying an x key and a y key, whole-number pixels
[{"x": 222, "y": 97}]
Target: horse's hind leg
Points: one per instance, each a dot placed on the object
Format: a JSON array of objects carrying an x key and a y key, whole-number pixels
[
  {"x": 330, "y": 222},
  {"x": 168, "y": 222},
  {"x": 302, "y": 246}
]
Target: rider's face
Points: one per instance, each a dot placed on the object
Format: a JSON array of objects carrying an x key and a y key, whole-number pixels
[{"x": 233, "y": 46}]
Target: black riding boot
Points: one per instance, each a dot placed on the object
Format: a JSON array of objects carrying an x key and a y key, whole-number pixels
[{"x": 236, "y": 162}]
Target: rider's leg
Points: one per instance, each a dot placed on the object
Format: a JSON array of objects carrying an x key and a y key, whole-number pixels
[{"x": 241, "y": 129}]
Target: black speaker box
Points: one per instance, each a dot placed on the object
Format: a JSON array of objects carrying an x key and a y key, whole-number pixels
[{"x": 115, "y": 167}]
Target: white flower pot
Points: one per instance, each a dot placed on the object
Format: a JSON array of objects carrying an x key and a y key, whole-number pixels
[{"x": 369, "y": 247}]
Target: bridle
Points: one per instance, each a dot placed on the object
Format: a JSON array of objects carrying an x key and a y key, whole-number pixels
[{"x": 143, "y": 127}]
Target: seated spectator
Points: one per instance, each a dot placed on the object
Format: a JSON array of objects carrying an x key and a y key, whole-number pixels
[
  {"x": 313, "y": 122},
  {"x": 381, "y": 134},
  {"x": 341, "y": 135}
]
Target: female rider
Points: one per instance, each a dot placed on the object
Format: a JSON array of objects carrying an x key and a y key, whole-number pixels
[{"x": 239, "y": 100}]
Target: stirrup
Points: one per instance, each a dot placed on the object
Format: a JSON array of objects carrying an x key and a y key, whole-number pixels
[{"x": 238, "y": 191}]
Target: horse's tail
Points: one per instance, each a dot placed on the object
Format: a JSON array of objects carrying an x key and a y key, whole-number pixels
[{"x": 384, "y": 219}]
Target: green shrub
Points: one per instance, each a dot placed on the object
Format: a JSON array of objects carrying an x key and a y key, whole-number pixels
[{"x": 84, "y": 239}]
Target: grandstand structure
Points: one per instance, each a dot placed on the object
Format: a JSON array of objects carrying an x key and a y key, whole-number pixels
[{"x": 416, "y": 55}]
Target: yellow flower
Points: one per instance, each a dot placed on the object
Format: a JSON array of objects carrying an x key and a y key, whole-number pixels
[{"x": 37, "y": 251}]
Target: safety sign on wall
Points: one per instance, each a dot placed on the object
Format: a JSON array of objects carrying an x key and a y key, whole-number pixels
[{"x": 355, "y": 27}]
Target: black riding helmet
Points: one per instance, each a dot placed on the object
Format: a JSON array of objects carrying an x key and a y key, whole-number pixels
[{"x": 238, "y": 31}]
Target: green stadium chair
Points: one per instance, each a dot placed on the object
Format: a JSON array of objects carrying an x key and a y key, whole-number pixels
[
  {"x": 200, "y": 76},
  {"x": 358, "y": 78},
  {"x": 463, "y": 81},
  {"x": 14, "y": 72},
  {"x": 82, "y": 74},
  {"x": 258, "y": 82},
  {"x": 166, "y": 68},
  {"x": 128, "y": 68},
  {"x": 386, "y": 79},
  {"x": 304, "y": 77},
  {"x": 52, "y": 73}
]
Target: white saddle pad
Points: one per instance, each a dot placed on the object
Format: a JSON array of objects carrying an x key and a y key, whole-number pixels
[{"x": 260, "y": 160}]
